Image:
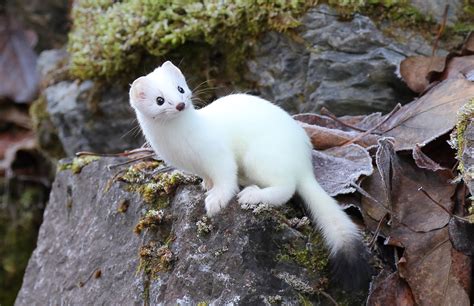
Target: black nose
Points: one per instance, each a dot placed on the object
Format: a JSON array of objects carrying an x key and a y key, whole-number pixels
[{"x": 180, "y": 106}]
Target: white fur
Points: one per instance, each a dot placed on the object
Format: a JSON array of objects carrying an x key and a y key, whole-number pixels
[{"x": 237, "y": 138}]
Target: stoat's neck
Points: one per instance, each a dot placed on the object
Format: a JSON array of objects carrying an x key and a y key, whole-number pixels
[{"x": 163, "y": 130}]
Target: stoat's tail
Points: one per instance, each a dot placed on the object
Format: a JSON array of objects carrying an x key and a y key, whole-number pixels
[{"x": 348, "y": 254}]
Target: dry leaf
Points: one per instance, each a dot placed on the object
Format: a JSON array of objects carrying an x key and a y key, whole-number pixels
[
  {"x": 337, "y": 169},
  {"x": 429, "y": 117},
  {"x": 415, "y": 70},
  {"x": 18, "y": 75},
  {"x": 434, "y": 270},
  {"x": 390, "y": 289},
  {"x": 324, "y": 138}
]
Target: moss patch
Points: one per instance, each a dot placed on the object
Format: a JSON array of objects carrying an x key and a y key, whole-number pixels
[
  {"x": 111, "y": 37},
  {"x": 78, "y": 163},
  {"x": 154, "y": 188},
  {"x": 46, "y": 133},
  {"x": 312, "y": 255},
  {"x": 155, "y": 258}
]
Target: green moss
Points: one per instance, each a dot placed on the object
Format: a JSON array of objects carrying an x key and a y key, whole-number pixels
[
  {"x": 155, "y": 258},
  {"x": 313, "y": 255},
  {"x": 45, "y": 131},
  {"x": 155, "y": 189},
  {"x": 78, "y": 163},
  {"x": 20, "y": 217},
  {"x": 151, "y": 220},
  {"x": 110, "y": 37}
]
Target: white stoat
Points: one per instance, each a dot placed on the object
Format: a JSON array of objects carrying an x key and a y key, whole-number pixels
[{"x": 246, "y": 140}]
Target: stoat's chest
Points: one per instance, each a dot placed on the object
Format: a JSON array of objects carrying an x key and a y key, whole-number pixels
[{"x": 179, "y": 146}]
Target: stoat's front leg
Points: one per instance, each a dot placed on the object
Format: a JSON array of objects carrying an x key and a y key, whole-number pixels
[{"x": 223, "y": 179}]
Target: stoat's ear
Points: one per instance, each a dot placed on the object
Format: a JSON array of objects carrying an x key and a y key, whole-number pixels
[
  {"x": 137, "y": 90},
  {"x": 170, "y": 67}
]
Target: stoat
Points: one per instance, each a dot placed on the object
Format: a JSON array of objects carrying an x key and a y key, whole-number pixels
[{"x": 244, "y": 140}]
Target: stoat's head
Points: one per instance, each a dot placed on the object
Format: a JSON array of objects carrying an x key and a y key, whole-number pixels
[{"x": 161, "y": 94}]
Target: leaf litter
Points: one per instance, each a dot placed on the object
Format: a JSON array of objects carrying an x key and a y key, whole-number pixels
[{"x": 401, "y": 172}]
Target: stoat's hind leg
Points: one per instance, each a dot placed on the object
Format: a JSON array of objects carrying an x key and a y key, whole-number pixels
[{"x": 273, "y": 196}]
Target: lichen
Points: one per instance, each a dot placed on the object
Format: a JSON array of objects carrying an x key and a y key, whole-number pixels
[
  {"x": 274, "y": 299},
  {"x": 77, "y": 163},
  {"x": 465, "y": 116},
  {"x": 109, "y": 38},
  {"x": 204, "y": 226}
]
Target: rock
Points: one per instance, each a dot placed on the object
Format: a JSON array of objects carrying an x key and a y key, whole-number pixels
[
  {"x": 49, "y": 62},
  {"x": 347, "y": 66},
  {"x": 435, "y": 8},
  {"x": 92, "y": 117},
  {"x": 242, "y": 256}
]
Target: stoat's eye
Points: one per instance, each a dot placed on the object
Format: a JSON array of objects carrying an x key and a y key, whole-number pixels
[
  {"x": 160, "y": 100},
  {"x": 180, "y": 89}
]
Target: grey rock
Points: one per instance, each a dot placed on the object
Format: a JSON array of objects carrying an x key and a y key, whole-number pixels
[
  {"x": 92, "y": 117},
  {"x": 347, "y": 66},
  {"x": 238, "y": 261},
  {"x": 51, "y": 60},
  {"x": 435, "y": 8}
]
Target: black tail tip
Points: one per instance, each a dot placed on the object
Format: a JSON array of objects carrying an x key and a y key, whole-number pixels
[{"x": 351, "y": 270}]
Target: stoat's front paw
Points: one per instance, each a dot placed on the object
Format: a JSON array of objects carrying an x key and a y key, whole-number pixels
[
  {"x": 250, "y": 195},
  {"x": 215, "y": 202}
]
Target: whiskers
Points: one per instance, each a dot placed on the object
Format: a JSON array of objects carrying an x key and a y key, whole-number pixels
[
  {"x": 202, "y": 89},
  {"x": 134, "y": 131}
]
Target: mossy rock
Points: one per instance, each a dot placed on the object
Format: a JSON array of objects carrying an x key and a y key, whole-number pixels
[{"x": 111, "y": 37}]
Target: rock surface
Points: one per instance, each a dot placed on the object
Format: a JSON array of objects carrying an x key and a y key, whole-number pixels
[
  {"x": 346, "y": 66},
  {"x": 243, "y": 256},
  {"x": 92, "y": 117}
]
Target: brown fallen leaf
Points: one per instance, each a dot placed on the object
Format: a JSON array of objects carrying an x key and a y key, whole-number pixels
[
  {"x": 324, "y": 138},
  {"x": 436, "y": 273},
  {"x": 423, "y": 161},
  {"x": 456, "y": 68},
  {"x": 18, "y": 76},
  {"x": 396, "y": 190},
  {"x": 415, "y": 70},
  {"x": 337, "y": 169},
  {"x": 390, "y": 289},
  {"x": 429, "y": 117}
]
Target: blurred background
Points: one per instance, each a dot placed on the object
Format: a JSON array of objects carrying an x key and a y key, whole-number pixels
[{"x": 65, "y": 67}]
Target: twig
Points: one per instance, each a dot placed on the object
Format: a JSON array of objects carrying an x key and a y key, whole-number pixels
[
  {"x": 324, "y": 111},
  {"x": 440, "y": 30},
  {"x": 125, "y": 153},
  {"x": 96, "y": 273},
  {"x": 441, "y": 206},
  {"x": 369, "y": 131},
  {"x": 366, "y": 194},
  {"x": 109, "y": 167},
  {"x": 330, "y": 298},
  {"x": 161, "y": 170},
  {"x": 377, "y": 231}
]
